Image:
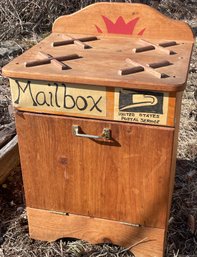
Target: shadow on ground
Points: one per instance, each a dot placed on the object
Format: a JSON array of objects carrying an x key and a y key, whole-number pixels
[{"x": 181, "y": 232}]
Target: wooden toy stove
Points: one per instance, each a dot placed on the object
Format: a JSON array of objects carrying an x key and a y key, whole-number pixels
[{"x": 98, "y": 104}]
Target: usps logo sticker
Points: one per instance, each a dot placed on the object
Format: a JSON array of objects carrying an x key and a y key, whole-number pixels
[{"x": 141, "y": 106}]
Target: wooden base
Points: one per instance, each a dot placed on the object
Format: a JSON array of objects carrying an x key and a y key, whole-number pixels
[{"x": 50, "y": 226}]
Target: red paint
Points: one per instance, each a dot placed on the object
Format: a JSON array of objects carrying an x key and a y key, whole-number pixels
[
  {"x": 98, "y": 29},
  {"x": 141, "y": 32},
  {"x": 120, "y": 26}
]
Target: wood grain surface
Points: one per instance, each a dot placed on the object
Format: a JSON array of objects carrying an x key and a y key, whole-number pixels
[
  {"x": 149, "y": 23},
  {"x": 125, "y": 179},
  {"x": 9, "y": 158},
  {"x": 174, "y": 154},
  {"x": 49, "y": 226},
  {"x": 116, "y": 190},
  {"x": 99, "y": 65}
]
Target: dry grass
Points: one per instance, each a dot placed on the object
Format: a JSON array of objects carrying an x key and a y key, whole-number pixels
[
  {"x": 25, "y": 17},
  {"x": 22, "y": 18},
  {"x": 34, "y": 17},
  {"x": 179, "y": 9},
  {"x": 182, "y": 234}
]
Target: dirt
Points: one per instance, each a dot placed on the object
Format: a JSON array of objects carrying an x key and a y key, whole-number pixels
[
  {"x": 182, "y": 230},
  {"x": 182, "y": 235}
]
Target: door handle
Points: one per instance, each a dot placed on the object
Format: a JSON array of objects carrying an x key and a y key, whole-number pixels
[{"x": 106, "y": 134}]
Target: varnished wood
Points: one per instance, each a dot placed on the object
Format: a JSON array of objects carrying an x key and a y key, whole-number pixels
[
  {"x": 116, "y": 189},
  {"x": 166, "y": 44},
  {"x": 37, "y": 96},
  {"x": 56, "y": 62},
  {"x": 108, "y": 50},
  {"x": 155, "y": 24},
  {"x": 158, "y": 46},
  {"x": 51, "y": 59},
  {"x": 132, "y": 70},
  {"x": 73, "y": 40},
  {"x": 159, "y": 64},
  {"x": 143, "y": 49},
  {"x": 174, "y": 152},
  {"x": 171, "y": 109},
  {"x": 148, "y": 68},
  {"x": 153, "y": 46},
  {"x": 50, "y": 226},
  {"x": 124, "y": 179},
  {"x": 81, "y": 43},
  {"x": 99, "y": 65}
]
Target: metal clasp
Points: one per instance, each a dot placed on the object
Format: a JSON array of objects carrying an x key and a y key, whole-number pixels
[{"x": 106, "y": 134}]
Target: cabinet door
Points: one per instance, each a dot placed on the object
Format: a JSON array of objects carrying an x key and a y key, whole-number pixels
[{"x": 125, "y": 179}]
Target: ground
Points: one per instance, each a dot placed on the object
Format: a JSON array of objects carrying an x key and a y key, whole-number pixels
[{"x": 182, "y": 231}]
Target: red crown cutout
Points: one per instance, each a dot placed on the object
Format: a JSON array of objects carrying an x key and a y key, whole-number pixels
[{"x": 120, "y": 26}]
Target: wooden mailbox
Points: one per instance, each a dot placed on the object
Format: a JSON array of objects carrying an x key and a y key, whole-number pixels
[{"x": 98, "y": 104}]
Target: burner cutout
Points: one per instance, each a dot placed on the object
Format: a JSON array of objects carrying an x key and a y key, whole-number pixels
[
  {"x": 57, "y": 61},
  {"x": 76, "y": 41},
  {"x": 150, "y": 67}
]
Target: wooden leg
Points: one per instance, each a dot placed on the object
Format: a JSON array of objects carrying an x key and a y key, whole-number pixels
[{"x": 50, "y": 226}]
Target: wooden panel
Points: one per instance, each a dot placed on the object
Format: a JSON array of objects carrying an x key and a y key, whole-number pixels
[
  {"x": 155, "y": 108},
  {"x": 100, "y": 65},
  {"x": 123, "y": 18},
  {"x": 171, "y": 109},
  {"x": 48, "y": 226},
  {"x": 9, "y": 158},
  {"x": 174, "y": 152},
  {"x": 126, "y": 179}
]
